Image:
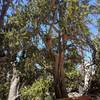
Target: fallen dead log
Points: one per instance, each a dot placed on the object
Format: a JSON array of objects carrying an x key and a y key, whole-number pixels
[{"x": 77, "y": 98}]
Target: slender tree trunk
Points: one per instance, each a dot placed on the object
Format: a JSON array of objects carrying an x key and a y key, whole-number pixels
[
  {"x": 5, "y": 7},
  {"x": 13, "y": 92},
  {"x": 86, "y": 72},
  {"x": 87, "y": 79}
]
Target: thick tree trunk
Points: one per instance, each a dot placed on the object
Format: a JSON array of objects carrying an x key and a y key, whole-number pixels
[
  {"x": 13, "y": 92},
  {"x": 60, "y": 89}
]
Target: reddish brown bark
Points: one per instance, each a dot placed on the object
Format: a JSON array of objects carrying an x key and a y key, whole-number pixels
[
  {"x": 77, "y": 98},
  {"x": 3, "y": 60},
  {"x": 60, "y": 89}
]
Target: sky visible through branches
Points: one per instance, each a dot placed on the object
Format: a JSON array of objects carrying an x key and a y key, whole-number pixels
[{"x": 92, "y": 26}]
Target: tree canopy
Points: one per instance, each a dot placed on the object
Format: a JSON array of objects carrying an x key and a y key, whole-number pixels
[{"x": 47, "y": 47}]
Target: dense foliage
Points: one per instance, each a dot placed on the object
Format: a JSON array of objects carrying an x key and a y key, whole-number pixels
[{"x": 45, "y": 46}]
